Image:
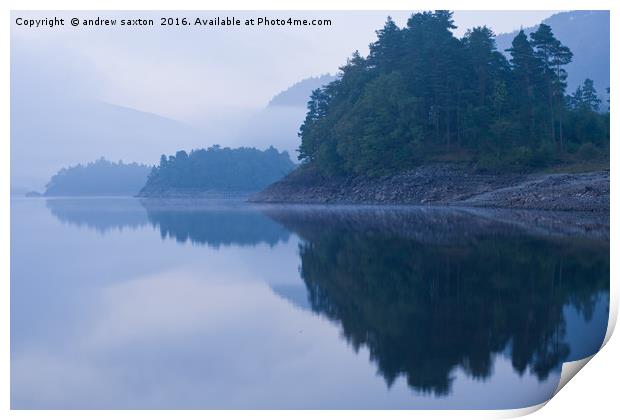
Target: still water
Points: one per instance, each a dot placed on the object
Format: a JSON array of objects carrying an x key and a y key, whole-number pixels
[{"x": 121, "y": 303}]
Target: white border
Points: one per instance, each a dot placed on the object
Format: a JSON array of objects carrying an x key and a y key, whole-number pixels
[{"x": 592, "y": 394}]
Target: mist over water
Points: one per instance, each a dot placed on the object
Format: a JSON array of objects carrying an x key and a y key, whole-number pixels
[{"x": 127, "y": 303}]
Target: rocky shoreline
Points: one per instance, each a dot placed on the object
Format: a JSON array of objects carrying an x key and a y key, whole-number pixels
[
  {"x": 192, "y": 193},
  {"x": 447, "y": 185}
]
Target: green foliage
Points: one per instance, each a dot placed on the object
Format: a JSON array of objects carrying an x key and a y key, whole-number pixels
[
  {"x": 584, "y": 123},
  {"x": 585, "y": 97},
  {"x": 219, "y": 169},
  {"x": 422, "y": 93},
  {"x": 588, "y": 151},
  {"x": 376, "y": 126},
  {"x": 101, "y": 177}
]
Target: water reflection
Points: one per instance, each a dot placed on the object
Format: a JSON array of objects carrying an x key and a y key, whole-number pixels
[
  {"x": 428, "y": 291},
  {"x": 452, "y": 307},
  {"x": 100, "y": 214},
  {"x": 205, "y": 222},
  {"x": 212, "y": 223}
]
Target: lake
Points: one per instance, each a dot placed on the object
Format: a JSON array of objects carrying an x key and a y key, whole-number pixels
[{"x": 158, "y": 304}]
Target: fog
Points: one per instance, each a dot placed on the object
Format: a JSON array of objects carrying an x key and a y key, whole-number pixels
[{"x": 134, "y": 93}]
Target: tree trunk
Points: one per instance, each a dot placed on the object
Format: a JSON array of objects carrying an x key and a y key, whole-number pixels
[
  {"x": 551, "y": 117},
  {"x": 560, "y": 106}
]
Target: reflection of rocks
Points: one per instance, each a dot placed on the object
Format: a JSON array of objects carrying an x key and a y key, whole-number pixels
[
  {"x": 429, "y": 291},
  {"x": 444, "y": 224},
  {"x": 102, "y": 215},
  {"x": 556, "y": 223},
  {"x": 213, "y": 223}
]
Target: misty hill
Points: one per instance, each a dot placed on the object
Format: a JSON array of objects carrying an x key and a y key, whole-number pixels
[
  {"x": 98, "y": 178},
  {"x": 59, "y": 117},
  {"x": 216, "y": 170},
  {"x": 93, "y": 129},
  {"x": 278, "y": 123},
  {"x": 586, "y": 33},
  {"x": 299, "y": 94}
]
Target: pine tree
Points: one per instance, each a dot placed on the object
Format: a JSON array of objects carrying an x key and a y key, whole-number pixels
[
  {"x": 590, "y": 99},
  {"x": 525, "y": 74},
  {"x": 585, "y": 97},
  {"x": 545, "y": 43},
  {"x": 386, "y": 50},
  {"x": 480, "y": 45},
  {"x": 553, "y": 56}
]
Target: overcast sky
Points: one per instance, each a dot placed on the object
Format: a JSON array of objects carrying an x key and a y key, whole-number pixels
[{"x": 186, "y": 73}]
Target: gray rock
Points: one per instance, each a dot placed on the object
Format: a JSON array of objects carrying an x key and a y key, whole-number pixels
[{"x": 446, "y": 184}]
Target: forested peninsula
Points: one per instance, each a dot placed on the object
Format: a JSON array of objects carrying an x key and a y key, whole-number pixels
[
  {"x": 428, "y": 117},
  {"x": 216, "y": 171}
]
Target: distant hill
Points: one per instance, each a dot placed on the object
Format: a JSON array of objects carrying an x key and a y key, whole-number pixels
[
  {"x": 99, "y": 178},
  {"x": 217, "y": 170},
  {"x": 278, "y": 123},
  {"x": 586, "y": 33},
  {"x": 299, "y": 94},
  {"x": 59, "y": 116},
  {"x": 42, "y": 140}
]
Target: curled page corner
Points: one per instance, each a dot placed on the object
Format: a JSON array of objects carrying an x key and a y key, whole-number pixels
[
  {"x": 613, "y": 317},
  {"x": 569, "y": 370},
  {"x": 521, "y": 412}
]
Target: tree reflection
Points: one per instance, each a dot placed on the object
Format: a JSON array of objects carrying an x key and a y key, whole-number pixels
[
  {"x": 100, "y": 214},
  {"x": 200, "y": 222},
  {"x": 424, "y": 307},
  {"x": 213, "y": 224}
]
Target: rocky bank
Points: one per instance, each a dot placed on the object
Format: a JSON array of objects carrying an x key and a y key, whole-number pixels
[{"x": 446, "y": 184}]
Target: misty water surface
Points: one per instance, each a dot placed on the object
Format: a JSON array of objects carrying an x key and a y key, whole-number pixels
[{"x": 122, "y": 303}]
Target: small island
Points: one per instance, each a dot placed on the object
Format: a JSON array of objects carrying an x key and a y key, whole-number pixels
[
  {"x": 99, "y": 178},
  {"x": 216, "y": 172},
  {"x": 428, "y": 118}
]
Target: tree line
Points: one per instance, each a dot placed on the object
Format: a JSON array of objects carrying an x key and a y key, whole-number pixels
[
  {"x": 219, "y": 169},
  {"x": 216, "y": 169},
  {"x": 422, "y": 94}
]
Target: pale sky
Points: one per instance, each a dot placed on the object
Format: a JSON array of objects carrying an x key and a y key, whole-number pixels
[{"x": 188, "y": 72}]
